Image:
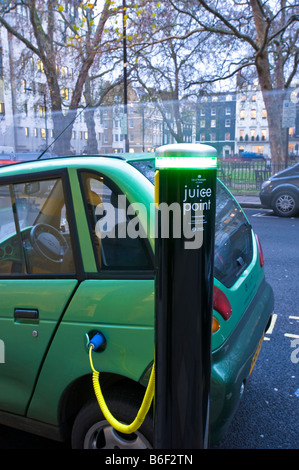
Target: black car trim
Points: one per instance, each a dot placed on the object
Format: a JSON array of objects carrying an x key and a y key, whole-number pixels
[{"x": 130, "y": 275}]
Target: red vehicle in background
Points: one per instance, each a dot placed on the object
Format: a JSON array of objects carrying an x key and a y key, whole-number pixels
[{"x": 7, "y": 155}]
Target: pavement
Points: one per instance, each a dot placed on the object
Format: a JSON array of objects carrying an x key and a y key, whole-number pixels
[{"x": 249, "y": 201}]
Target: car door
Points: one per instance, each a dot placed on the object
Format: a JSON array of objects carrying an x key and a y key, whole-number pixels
[
  {"x": 121, "y": 293},
  {"x": 37, "y": 280}
]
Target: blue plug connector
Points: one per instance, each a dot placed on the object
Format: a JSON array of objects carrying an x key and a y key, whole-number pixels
[{"x": 98, "y": 341}]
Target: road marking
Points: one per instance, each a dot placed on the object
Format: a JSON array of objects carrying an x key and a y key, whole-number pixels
[
  {"x": 265, "y": 214},
  {"x": 290, "y": 335},
  {"x": 271, "y": 327},
  {"x": 272, "y": 324}
]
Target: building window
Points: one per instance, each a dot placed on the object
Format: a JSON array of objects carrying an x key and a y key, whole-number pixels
[
  {"x": 264, "y": 134},
  {"x": 64, "y": 71},
  {"x": 202, "y": 112},
  {"x": 213, "y": 111},
  {"x": 264, "y": 114},
  {"x": 35, "y": 132},
  {"x": 202, "y": 137},
  {"x": 252, "y": 134},
  {"x": 213, "y": 123},
  {"x": 65, "y": 93},
  {"x": 26, "y": 131},
  {"x": 227, "y": 136},
  {"x": 242, "y": 134},
  {"x": 131, "y": 137},
  {"x": 40, "y": 66},
  {"x": 258, "y": 149},
  {"x": 242, "y": 114},
  {"x": 227, "y": 110},
  {"x": 213, "y": 137},
  {"x": 253, "y": 114},
  {"x": 131, "y": 123},
  {"x": 202, "y": 123},
  {"x": 24, "y": 86},
  {"x": 43, "y": 133},
  {"x": 227, "y": 122},
  {"x": 253, "y": 98},
  {"x": 86, "y": 135},
  {"x": 2, "y": 108},
  {"x": 42, "y": 111}
]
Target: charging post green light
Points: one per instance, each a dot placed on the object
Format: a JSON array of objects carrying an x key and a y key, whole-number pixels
[
  {"x": 186, "y": 162},
  {"x": 185, "y": 201}
]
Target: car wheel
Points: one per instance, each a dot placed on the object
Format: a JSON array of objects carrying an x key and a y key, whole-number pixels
[
  {"x": 92, "y": 431},
  {"x": 285, "y": 204}
]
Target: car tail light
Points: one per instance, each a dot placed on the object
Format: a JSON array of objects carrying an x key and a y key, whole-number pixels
[
  {"x": 215, "y": 325},
  {"x": 260, "y": 250},
  {"x": 221, "y": 303}
]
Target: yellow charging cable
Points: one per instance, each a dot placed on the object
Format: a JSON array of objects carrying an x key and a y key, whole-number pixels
[{"x": 145, "y": 406}]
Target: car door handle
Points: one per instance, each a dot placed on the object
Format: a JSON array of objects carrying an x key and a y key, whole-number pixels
[{"x": 26, "y": 314}]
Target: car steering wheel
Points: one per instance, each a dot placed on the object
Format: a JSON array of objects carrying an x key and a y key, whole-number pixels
[{"x": 48, "y": 242}]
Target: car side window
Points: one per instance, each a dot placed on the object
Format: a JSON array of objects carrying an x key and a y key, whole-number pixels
[
  {"x": 34, "y": 232},
  {"x": 117, "y": 246}
]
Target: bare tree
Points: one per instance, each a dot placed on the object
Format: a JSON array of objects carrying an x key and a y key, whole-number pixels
[
  {"x": 55, "y": 33},
  {"x": 257, "y": 34},
  {"x": 167, "y": 67}
]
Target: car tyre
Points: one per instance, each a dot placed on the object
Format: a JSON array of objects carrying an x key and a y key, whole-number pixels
[
  {"x": 92, "y": 431},
  {"x": 285, "y": 204}
]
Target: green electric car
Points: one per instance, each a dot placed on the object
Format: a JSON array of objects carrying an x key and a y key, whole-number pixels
[{"x": 69, "y": 266}]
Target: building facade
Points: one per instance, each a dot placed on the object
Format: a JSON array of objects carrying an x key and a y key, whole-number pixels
[{"x": 216, "y": 116}]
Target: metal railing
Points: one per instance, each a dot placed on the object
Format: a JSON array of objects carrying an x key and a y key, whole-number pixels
[{"x": 241, "y": 176}]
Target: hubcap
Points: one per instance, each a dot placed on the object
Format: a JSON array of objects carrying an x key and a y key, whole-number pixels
[
  {"x": 285, "y": 203},
  {"x": 103, "y": 436}
]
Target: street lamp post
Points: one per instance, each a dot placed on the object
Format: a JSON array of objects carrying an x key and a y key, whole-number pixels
[{"x": 125, "y": 78}]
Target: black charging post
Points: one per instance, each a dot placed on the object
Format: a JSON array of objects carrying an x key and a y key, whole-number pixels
[{"x": 185, "y": 198}]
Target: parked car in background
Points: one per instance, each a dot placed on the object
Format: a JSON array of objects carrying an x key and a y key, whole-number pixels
[
  {"x": 250, "y": 156},
  {"x": 62, "y": 277},
  {"x": 280, "y": 192},
  {"x": 7, "y": 155}
]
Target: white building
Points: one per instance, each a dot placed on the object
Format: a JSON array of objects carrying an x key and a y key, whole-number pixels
[{"x": 252, "y": 133}]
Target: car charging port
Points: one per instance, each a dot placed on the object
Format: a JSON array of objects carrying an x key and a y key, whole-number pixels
[{"x": 97, "y": 340}]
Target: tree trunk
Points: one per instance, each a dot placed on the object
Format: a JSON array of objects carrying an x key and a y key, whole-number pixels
[{"x": 273, "y": 99}]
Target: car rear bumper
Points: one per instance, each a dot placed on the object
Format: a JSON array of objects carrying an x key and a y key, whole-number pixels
[{"x": 232, "y": 363}]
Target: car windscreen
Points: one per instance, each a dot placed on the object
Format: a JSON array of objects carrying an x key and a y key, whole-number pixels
[
  {"x": 233, "y": 236},
  {"x": 146, "y": 167}
]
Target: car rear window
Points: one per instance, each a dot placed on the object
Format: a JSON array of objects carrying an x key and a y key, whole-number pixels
[{"x": 233, "y": 237}]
